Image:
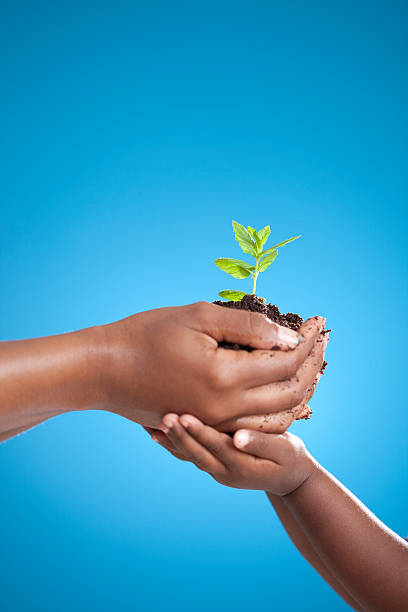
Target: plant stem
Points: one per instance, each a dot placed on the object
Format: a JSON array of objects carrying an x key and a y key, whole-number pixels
[{"x": 255, "y": 276}]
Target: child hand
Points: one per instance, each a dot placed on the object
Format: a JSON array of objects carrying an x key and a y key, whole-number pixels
[{"x": 276, "y": 463}]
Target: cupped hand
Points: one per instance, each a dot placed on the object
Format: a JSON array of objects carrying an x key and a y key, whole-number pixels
[
  {"x": 169, "y": 360},
  {"x": 276, "y": 463},
  {"x": 283, "y": 402},
  {"x": 276, "y": 423}
]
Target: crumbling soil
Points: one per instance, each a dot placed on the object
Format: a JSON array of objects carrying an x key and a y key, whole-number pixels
[{"x": 256, "y": 304}]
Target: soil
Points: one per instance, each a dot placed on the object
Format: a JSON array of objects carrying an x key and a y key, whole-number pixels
[{"x": 256, "y": 304}]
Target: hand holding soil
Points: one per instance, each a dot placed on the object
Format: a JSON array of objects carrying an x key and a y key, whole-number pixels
[
  {"x": 173, "y": 360},
  {"x": 279, "y": 384},
  {"x": 165, "y": 360}
]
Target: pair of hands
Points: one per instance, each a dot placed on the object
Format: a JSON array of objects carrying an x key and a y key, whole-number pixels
[
  {"x": 168, "y": 361},
  {"x": 183, "y": 370}
]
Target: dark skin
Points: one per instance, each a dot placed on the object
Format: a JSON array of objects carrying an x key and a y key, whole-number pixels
[
  {"x": 160, "y": 361},
  {"x": 359, "y": 556}
]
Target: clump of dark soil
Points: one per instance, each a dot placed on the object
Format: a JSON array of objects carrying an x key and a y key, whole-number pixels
[{"x": 256, "y": 304}]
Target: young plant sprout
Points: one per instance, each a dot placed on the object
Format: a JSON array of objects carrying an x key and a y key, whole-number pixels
[{"x": 251, "y": 242}]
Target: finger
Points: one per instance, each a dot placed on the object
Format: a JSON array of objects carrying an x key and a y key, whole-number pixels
[
  {"x": 306, "y": 413},
  {"x": 260, "y": 367},
  {"x": 218, "y": 444},
  {"x": 150, "y": 430},
  {"x": 303, "y": 411},
  {"x": 284, "y": 395},
  {"x": 186, "y": 445},
  {"x": 274, "y": 447},
  {"x": 277, "y": 422},
  {"x": 243, "y": 327},
  {"x": 161, "y": 438},
  {"x": 288, "y": 394},
  {"x": 158, "y": 436}
]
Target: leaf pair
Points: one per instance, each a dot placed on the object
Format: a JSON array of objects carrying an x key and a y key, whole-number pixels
[{"x": 251, "y": 242}]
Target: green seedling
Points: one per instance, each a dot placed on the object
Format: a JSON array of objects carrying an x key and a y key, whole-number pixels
[{"x": 251, "y": 242}]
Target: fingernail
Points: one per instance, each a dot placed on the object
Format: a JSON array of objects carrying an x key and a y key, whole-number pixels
[
  {"x": 241, "y": 439},
  {"x": 288, "y": 337}
]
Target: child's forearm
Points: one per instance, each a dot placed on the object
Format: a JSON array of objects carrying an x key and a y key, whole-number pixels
[
  {"x": 306, "y": 549},
  {"x": 364, "y": 555}
]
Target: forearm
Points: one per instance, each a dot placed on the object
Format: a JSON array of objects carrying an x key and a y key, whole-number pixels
[
  {"x": 306, "y": 549},
  {"x": 360, "y": 552},
  {"x": 43, "y": 377}
]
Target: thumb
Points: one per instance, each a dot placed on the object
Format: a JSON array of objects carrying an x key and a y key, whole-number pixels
[
  {"x": 267, "y": 446},
  {"x": 246, "y": 328}
]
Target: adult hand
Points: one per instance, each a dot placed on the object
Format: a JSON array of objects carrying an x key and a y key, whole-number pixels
[
  {"x": 168, "y": 360},
  {"x": 270, "y": 422},
  {"x": 165, "y": 360},
  {"x": 296, "y": 377}
]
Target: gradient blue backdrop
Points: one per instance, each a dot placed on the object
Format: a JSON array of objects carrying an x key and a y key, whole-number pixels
[{"x": 132, "y": 133}]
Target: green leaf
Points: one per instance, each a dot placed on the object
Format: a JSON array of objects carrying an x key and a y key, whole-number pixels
[
  {"x": 232, "y": 295},
  {"x": 254, "y": 234},
  {"x": 252, "y": 231},
  {"x": 276, "y": 246},
  {"x": 244, "y": 239},
  {"x": 235, "y": 267},
  {"x": 263, "y": 235},
  {"x": 267, "y": 260}
]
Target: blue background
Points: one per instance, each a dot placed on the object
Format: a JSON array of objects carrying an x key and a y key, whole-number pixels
[{"x": 132, "y": 133}]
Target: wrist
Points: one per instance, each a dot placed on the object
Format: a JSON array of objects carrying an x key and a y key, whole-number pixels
[
  {"x": 89, "y": 369},
  {"x": 310, "y": 468},
  {"x": 116, "y": 362}
]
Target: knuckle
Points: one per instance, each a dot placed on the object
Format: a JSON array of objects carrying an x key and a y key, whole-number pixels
[
  {"x": 214, "y": 448},
  {"x": 256, "y": 323},
  {"x": 296, "y": 395},
  {"x": 201, "y": 309},
  {"x": 199, "y": 462},
  {"x": 244, "y": 473},
  {"x": 217, "y": 375}
]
